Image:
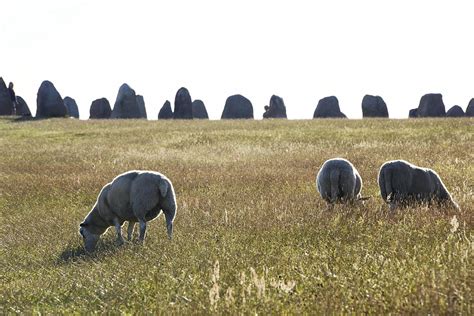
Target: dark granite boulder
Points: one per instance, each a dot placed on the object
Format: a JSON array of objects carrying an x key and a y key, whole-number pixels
[
  {"x": 6, "y": 104},
  {"x": 126, "y": 105},
  {"x": 166, "y": 113},
  {"x": 431, "y": 105},
  {"x": 328, "y": 108},
  {"x": 100, "y": 109},
  {"x": 199, "y": 110},
  {"x": 237, "y": 107},
  {"x": 183, "y": 105},
  {"x": 71, "y": 106},
  {"x": 455, "y": 111},
  {"x": 470, "y": 108},
  {"x": 49, "y": 102},
  {"x": 374, "y": 106},
  {"x": 141, "y": 106},
  {"x": 413, "y": 113},
  {"x": 22, "y": 108},
  {"x": 276, "y": 109}
]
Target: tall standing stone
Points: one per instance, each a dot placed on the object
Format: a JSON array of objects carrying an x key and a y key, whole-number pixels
[
  {"x": 431, "y": 105},
  {"x": 237, "y": 107},
  {"x": 166, "y": 113},
  {"x": 183, "y": 105},
  {"x": 141, "y": 106},
  {"x": 126, "y": 105},
  {"x": 328, "y": 107},
  {"x": 71, "y": 106},
  {"x": 199, "y": 110},
  {"x": 100, "y": 109},
  {"x": 22, "y": 108},
  {"x": 49, "y": 102},
  {"x": 374, "y": 106},
  {"x": 470, "y": 108},
  {"x": 277, "y": 108},
  {"x": 6, "y": 105}
]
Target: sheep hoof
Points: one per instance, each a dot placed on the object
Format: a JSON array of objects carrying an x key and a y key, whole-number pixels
[
  {"x": 392, "y": 207},
  {"x": 119, "y": 242}
]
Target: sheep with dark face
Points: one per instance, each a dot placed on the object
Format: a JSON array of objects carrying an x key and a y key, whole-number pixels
[
  {"x": 402, "y": 183},
  {"x": 339, "y": 181},
  {"x": 134, "y": 196}
]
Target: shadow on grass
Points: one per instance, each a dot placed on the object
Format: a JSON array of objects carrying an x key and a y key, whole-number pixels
[
  {"x": 74, "y": 254},
  {"x": 26, "y": 118},
  {"x": 19, "y": 119}
]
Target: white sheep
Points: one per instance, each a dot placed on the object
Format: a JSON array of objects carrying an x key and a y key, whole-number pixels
[
  {"x": 339, "y": 181},
  {"x": 134, "y": 196},
  {"x": 402, "y": 183}
]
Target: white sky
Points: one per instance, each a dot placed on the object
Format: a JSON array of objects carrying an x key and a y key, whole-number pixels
[{"x": 300, "y": 50}]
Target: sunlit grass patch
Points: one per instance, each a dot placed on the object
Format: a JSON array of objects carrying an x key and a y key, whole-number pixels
[{"x": 251, "y": 233}]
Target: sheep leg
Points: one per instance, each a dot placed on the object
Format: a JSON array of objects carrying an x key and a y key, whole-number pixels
[
  {"x": 169, "y": 228},
  {"x": 118, "y": 229},
  {"x": 393, "y": 207},
  {"x": 142, "y": 224},
  {"x": 329, "y": 206},
  {"x": 131, "y": 225}
]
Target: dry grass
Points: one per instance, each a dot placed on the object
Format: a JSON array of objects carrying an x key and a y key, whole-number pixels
[{"x": 251, "y": 234}]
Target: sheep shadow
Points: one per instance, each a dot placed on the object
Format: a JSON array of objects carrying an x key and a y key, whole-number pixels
[{"x": 78, "y": 253}]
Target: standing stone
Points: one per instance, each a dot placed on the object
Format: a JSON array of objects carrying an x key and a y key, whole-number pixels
[
  {"x": 49, "y": 102},
  {"x": 71, "y": 106},
  {"x": 183, "y": 106},
  {"x": 166, "y": 113},
  {"x": 455, "y": 111},
  {"x": 470, "y": 108},
  {"x": 199, "y": 110},
  {"x": 413, "y": 113},
  {"x": 276, "y": 109},
  {"x": 237, "y": 107},
  {"x": 431, "y": 105},
  {"x": 22, "y": 108},
  {"x": 141, "y": 106},
  {"x": 100, "y": 109},
  {"x": 328, "y": 108},
  {"x": 6, "y": 105},
  {"x": 374, "y": 106},
  {"x": 126, "y": 105}
]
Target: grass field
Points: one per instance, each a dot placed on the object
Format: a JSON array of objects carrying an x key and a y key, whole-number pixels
[{"x": 251, "y": 233}]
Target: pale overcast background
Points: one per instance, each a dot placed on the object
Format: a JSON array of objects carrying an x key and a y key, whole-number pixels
[{"x": 300, "y": 50}]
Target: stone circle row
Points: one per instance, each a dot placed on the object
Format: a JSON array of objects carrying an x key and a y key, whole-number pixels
[{"x": 128, "y": 104}]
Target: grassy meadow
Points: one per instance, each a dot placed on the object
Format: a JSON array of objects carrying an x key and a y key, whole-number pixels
[{"x": 252, "y": 234}]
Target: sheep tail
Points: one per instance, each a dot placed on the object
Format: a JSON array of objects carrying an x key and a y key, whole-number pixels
[
  {"x": 388, "y": 186},
  {"x": 334, "y": 180},
  {"x": 163, "y": 186}
]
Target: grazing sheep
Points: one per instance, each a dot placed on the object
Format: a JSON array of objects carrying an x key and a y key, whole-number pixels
[
  {"x": 338, "y": 181},
  {"x": 134, "y": 196},
  {"x": 402, "y": 183}
]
